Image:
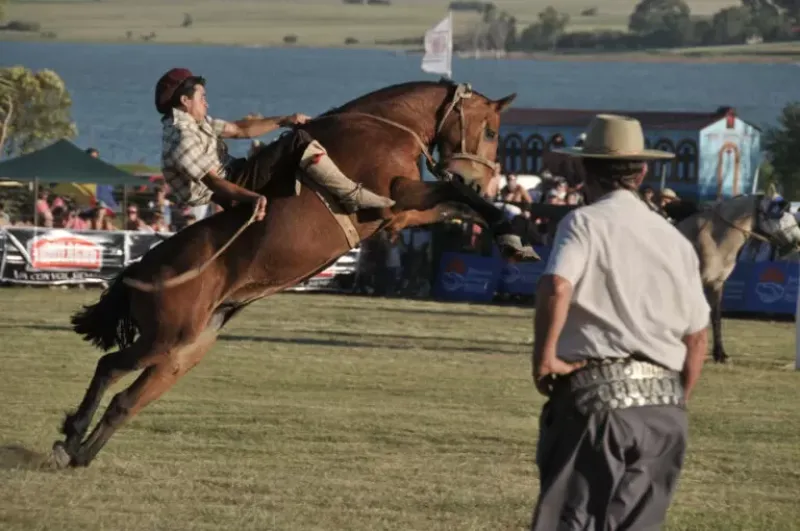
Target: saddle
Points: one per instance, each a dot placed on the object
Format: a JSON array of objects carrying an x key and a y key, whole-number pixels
[{"x": 281, "y": 159}]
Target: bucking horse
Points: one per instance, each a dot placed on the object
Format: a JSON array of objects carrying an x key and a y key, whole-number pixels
[{"x": 163, "y": 313}]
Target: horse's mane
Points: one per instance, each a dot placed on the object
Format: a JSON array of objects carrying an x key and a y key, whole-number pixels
[
  {"x": 682, "y": 209},
  {"x": 390, "y": 92}
]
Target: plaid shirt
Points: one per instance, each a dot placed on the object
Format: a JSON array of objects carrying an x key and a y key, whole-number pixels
[{"x": 189, "y": 151}]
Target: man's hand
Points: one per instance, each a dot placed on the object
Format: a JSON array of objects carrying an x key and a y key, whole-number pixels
[
  {"x": 260, "y": 207},
  {"x": 294, "y": 119},
  {"x": 550, "y": 366}
]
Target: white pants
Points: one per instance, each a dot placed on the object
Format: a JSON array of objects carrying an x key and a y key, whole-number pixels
[{"x": 201, "y": 211}]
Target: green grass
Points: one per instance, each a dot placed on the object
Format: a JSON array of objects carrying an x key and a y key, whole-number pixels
[
  {"x": 341, "y": 413},
  {"x": 266, "y": 22}
]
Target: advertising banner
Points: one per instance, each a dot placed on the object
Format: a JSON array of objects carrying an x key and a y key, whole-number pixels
[{"x": 57, "y": 256}]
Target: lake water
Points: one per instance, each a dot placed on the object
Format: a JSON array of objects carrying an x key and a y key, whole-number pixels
[{"x": 112, "y": 85}]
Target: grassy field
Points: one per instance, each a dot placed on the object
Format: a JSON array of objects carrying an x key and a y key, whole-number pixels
[
  {"x": 342, "y": 413},
  {"x": 266, "y": 22}
]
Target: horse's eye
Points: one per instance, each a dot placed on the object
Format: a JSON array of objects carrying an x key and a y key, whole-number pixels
[{"x": 490, "y": 134}]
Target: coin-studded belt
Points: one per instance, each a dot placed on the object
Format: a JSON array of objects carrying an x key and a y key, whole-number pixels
[{"x": 620, "y": 383}]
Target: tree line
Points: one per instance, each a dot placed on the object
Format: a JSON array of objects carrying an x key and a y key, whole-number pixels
[{"x": 652, "y": 24}]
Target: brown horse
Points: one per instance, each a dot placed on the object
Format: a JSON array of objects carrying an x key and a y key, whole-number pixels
[{"x": 377, "y": 140}]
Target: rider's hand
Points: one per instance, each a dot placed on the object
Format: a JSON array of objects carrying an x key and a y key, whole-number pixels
[
  {"x": 295, "y": 119},
  {"x": 260, "y": 207}
]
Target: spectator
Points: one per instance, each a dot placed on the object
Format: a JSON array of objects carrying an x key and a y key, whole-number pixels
[
  {"x": 43, "y": 209},
  {"x": 162, "y": 205},
  {"x": 574, "y": 198},
  {"x": 513, "y": 192},
  {"x": 158, "y": 224},
  {"x": 132, "y": 220},
  {"x": 4, "y": 217}
]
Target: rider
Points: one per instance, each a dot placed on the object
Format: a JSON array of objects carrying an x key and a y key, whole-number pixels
[{"x": 195, "y": 159}]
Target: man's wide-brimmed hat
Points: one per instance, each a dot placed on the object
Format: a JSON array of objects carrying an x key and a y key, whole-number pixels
[
  {"x": 169, "y": 83},
  {"x": 610, "y": 136}
]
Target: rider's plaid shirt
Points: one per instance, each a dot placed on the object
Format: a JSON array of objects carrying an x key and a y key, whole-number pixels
[{"x": 189, "y": 151}]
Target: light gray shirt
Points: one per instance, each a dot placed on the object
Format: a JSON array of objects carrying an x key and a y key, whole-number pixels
[{"x": 636, "y": 283}]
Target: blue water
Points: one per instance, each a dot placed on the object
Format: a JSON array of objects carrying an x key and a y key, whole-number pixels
[{"x": 112, "y": 85}]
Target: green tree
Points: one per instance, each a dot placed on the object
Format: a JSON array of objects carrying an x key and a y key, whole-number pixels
[
  {"x": 731, "y": 25},
  {"x": 34, "y": 110},
  {"x": 545, "y": 32},
  {"x": 783, "y": 146},
  {"x": 651, "y": 16},
  {"x": 662, "y": 22}
]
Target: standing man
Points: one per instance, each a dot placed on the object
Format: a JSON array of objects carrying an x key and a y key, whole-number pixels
[
  {"x": 195, "y": 159},
  {"x": 620, "y": 340}
]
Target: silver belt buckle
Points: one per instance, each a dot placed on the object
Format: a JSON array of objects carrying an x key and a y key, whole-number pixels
[{"x": 623, "y": 383}]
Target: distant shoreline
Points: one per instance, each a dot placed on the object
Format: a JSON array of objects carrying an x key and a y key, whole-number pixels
[{"x": 715, "y": 55}]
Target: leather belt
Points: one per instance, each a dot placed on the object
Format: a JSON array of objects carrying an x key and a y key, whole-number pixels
[{"x": 620, "y": 383}]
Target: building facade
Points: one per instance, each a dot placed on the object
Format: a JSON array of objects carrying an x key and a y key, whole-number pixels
[{"x": 716, "y": 154}]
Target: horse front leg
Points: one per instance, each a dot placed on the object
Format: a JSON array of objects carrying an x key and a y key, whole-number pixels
[
  {"x": 440, "y": 213},
  {"x": 424, "y": 196}
]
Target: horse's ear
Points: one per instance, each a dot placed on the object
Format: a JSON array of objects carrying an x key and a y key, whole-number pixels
[
  {"x": 504, "y": 103},
  {"x": 772, "y": 191}
]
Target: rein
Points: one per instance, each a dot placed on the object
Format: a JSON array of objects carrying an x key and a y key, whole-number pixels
[
  {"x": 151, "y": 287},
  {"x": 463, "y": 91}
]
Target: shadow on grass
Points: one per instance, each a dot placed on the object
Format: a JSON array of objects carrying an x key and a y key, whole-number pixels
[{"x": 17, "y": 457}]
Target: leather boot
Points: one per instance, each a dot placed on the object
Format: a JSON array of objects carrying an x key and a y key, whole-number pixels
[{"x": 316, "y": 163}]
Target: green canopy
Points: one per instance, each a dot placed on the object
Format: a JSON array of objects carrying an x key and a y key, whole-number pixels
[{"x": 64, "y": 162}]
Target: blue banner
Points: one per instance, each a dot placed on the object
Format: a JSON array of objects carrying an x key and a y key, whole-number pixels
[
  {"x": 762, "y": 287},
  {"x": 467, "y": 277},
  {"x": 753, "y": 287},
  {"x": 521, "y": 278}
]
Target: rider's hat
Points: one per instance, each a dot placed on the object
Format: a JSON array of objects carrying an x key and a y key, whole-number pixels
[
  {"x": 169, "y": 83},
  {"x": 615, "y": 137}
]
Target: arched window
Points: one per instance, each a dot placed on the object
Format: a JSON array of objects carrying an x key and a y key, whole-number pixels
[
  {"x": 664, "y": 144},
  {"x": 534, "y": 149},
  {"x": 686, "y": 160},
  {"x": 509, "y": 153}
]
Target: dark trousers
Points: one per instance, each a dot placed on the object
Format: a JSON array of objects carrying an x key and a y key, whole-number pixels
[{"x": 608, "y": 471}]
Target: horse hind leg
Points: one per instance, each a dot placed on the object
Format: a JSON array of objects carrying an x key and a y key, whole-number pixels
[
  {"x": 715, "y": 301},
  {"x": 154, "y": 381}
]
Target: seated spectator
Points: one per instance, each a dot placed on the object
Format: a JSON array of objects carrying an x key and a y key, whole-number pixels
[
  {"x": 162, "y": 204},
  {"x": 101, "y": 218},
  {"x": 60, "y": 217},
  {"x": 157, "y": 222},
  {"x": 5, "y": 219},
  {"x": 43, "y": 209},
  {"x": 513, "y": 192},
  {"x": 574, "y": 198},
  {"x": 132, "y": 220}
]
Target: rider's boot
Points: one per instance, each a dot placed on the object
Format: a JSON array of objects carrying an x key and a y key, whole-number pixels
[{"x": 316, "y": 163}]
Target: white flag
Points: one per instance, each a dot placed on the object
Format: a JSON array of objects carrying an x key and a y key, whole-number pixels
[{"x": 439, "y": 48}]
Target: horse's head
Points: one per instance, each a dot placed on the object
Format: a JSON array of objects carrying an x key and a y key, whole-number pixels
[
  {"x": 775, "y": 221},
  {"x": 467, "y": 135}
]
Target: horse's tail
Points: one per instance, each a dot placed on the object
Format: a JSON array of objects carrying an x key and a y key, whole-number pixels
[{"x": 108, "y": 322}]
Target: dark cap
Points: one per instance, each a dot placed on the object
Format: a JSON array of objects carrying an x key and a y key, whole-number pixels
[{"x": 168, "y": 84}]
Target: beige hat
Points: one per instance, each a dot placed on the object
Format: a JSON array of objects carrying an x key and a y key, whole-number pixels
[
  {"x": 615, "y": 137},
  {"x": 669, "y": 192}
]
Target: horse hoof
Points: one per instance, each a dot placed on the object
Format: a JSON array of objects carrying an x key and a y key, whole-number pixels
[{"x": 59, "y": 457}]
